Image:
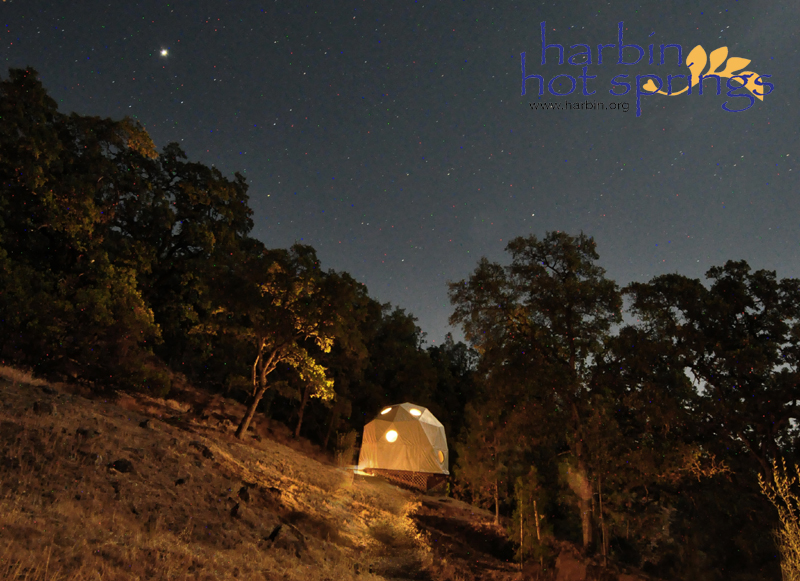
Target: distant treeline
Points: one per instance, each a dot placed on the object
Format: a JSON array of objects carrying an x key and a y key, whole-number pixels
[{"x": 125, "y": 268}]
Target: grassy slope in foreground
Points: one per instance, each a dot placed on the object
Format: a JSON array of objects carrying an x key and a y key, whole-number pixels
[{"x": 89, "y": 489}]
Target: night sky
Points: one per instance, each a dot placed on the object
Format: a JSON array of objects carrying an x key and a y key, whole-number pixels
[{"x": 393, "y": 137}]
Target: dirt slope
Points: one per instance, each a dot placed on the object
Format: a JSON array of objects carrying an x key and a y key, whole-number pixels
[
  {"x": 134, "y": 487},
  {"x": 142, "y": 488}
]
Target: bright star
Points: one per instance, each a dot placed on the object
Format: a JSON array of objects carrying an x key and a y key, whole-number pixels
[{"x": 164, "y": 52}]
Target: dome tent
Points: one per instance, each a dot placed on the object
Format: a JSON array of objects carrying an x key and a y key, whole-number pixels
[{"x": 405, "y": 443}]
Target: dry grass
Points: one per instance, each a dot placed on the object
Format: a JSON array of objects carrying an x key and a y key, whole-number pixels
[
  {"x": 20, "y": 377},
  {"x": 200, "y": 504},
  {"x": 783, "y": 492},
  {"x": 197, "y": 504}
]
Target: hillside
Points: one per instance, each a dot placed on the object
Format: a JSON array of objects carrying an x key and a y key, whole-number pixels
[
  {"x": 144, "y": 488},
  {"x": 153, "y": 489}
]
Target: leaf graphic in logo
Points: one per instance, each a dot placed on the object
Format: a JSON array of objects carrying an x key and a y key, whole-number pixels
[
  {"x": 716, "y": 58},
  {"x": 696, "y": 61},
  {"x": 734, "y": 64}
]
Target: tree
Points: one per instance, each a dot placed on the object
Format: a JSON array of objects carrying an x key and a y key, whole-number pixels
[
  {"x": 66, "y": 305},
  {"x": 177, "y": 223},
  {"x": 739, "y": 340},
  {"x": 455, "y": 365},
  {"x": 398, "y": 368},
  {"x": 348, "y": 367},
  {"x": 527, "y": 521},
  {"x": 273, "y": 300},
  {"x": 347, "y": 306},
  {"x": 483, "y": 454},
  {"x": 555, "y": 304},
  {"x": 782, "y": 492}
]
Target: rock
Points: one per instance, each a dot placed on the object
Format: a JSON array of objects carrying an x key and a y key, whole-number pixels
[
  {"x": 122, "y": 465},
  {"x": 87, "y": 432},
  {"x": 570, "y": 568},
  {"x": 244, "y": 494},
  {"x": 264, "y": 523},
  {"x": 235, "y": 511},
  {"x": 91, "y": 457},
  {"x": 204, "y": 450},
  {"x": 288, "y": 538},
  {"x": 146, "y": 424},
  {"x": 180, "y": 481},
  {"x": 49, "y": 390},
  {"x": 45, "y": 408}
]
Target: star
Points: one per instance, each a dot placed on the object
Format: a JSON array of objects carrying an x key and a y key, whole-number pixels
[{"x": 164, "y": 52}]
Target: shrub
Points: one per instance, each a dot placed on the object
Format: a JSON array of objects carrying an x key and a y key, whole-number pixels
[
  {"x": 345, "y": 447},
  {"x": 783, "y": 494}
]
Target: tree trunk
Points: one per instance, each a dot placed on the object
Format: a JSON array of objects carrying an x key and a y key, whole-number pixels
[
  {"x": 585, "y": 500},
  {"x": 261, "y": 369},
  {"x": 585, "y": 505},
  {"x": 251, "y": 411},
  {"x": 496, "y": 504},
  {"x": 303, "y": 402},
  {"x": 521, "y": 540},
  {"x": 255, "y": 373},
  {"x": 586, "y": 522},
  {"x": 602, "y": 521},
  {"x": 334, "y": 419}
]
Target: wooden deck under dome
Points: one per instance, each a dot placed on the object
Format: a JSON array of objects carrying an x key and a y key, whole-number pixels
[{"x": 423, "y": 481}]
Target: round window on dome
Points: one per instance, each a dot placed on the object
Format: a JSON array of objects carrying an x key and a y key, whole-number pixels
[
  {"x": 441, "y": 457},
  {"x": 391, "y": 436},
  {"x": 415, "y": 412},
  {"x": 386, "y": 411}
]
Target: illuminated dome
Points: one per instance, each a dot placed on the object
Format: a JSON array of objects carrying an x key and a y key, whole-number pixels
[{"x": 404, "y": 437}]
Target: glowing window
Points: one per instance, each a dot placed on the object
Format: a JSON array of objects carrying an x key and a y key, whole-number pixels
[
  {"x": 441, "y": 457},
  {"x": 386, "y": 411},
  {"x": 391, "y": 436},
  {"x": 415, "y": 412}
]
